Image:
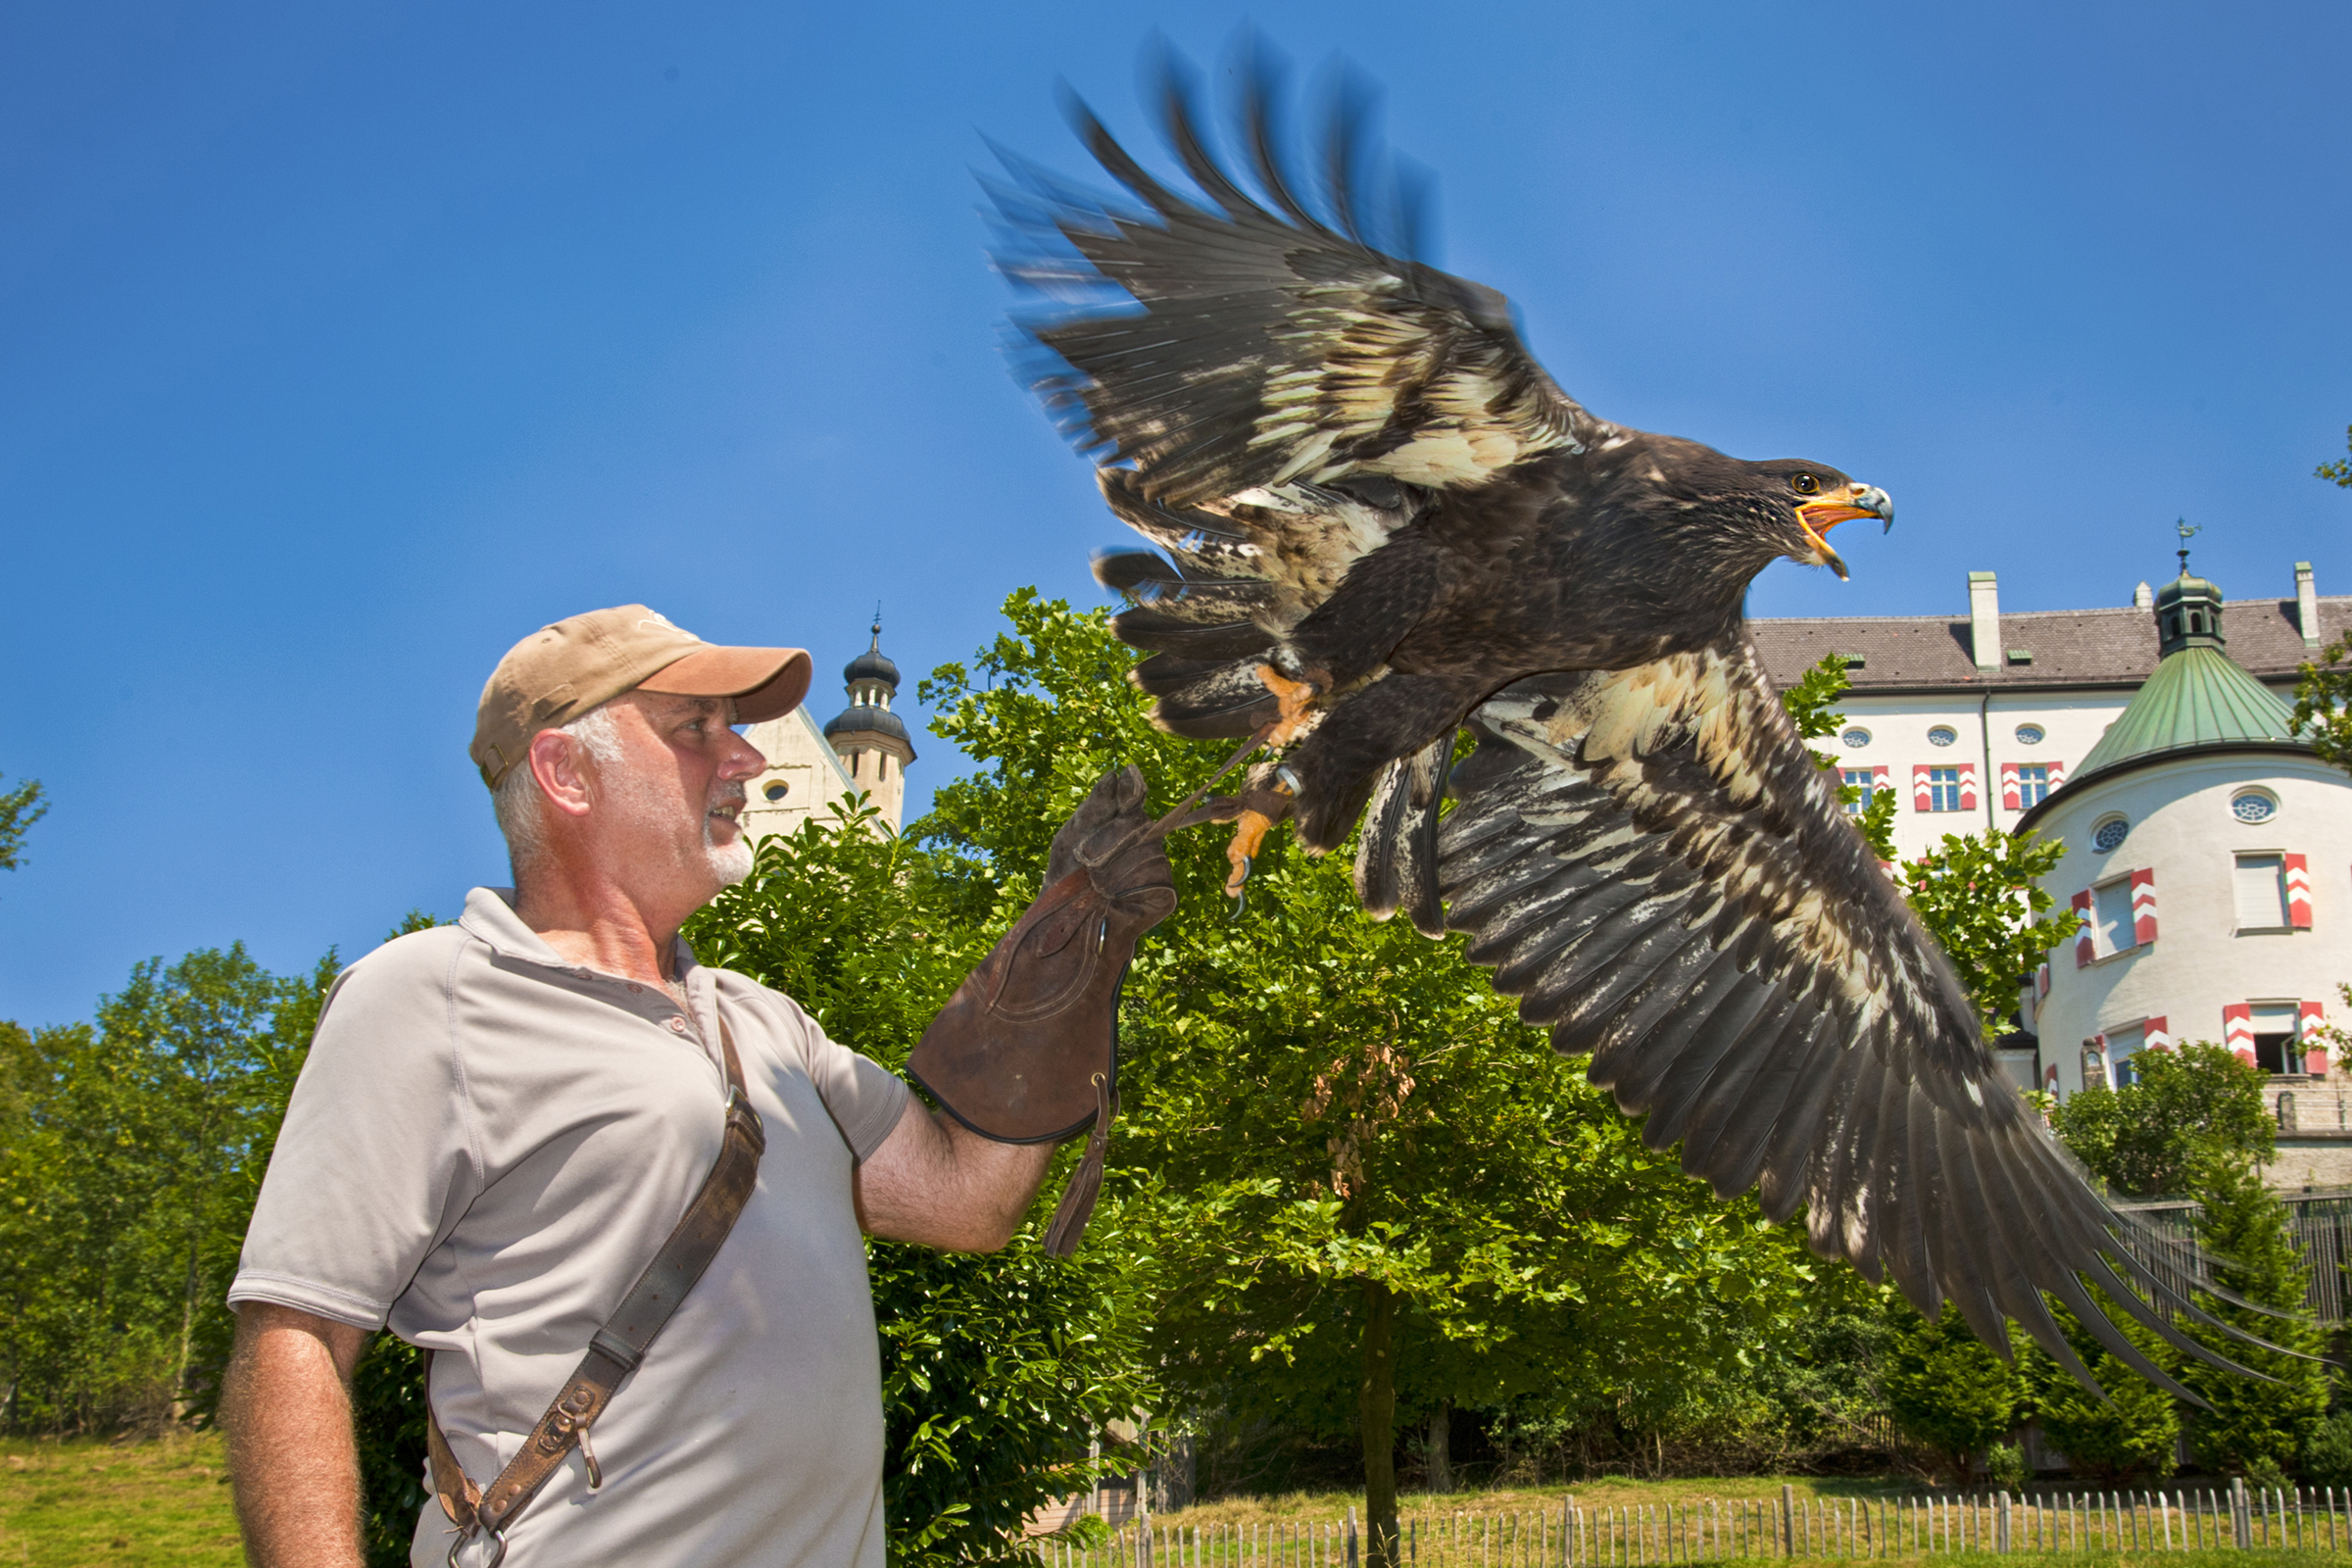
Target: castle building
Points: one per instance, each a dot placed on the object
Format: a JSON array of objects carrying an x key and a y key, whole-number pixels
[
  {"x": 865, "y": 749},
  {"x": 2207, "y": 849}
]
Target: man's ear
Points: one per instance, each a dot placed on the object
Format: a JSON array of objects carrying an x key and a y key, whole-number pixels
[{"x": 559, "y": 763}]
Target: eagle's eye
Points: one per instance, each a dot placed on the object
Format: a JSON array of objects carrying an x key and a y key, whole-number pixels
[{"x": 1804, "y": 484}]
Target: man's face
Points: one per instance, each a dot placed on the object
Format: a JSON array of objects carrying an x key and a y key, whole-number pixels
[{"x": 668, "y": 813}]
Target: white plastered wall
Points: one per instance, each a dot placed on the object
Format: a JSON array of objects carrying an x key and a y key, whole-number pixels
[
  {"x": 2182, "y": 829},
  {"x": 803, "y": 762}
]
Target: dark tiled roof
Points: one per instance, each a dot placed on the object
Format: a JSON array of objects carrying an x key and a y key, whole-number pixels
[{"x": 2069, "y": 647}]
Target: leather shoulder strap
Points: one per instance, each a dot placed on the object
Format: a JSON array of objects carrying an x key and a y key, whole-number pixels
[{"x": 620, "y": 1344}]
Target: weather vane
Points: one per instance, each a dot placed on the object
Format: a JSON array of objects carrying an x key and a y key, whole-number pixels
[{"x": 2180, "y": 527}]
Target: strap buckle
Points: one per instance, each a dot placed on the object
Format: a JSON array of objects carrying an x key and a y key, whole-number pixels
[{"x": 497, "y": 1546}]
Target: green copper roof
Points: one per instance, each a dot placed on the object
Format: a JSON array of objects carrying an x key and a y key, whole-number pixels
[{"x": 2198, "y": 697}]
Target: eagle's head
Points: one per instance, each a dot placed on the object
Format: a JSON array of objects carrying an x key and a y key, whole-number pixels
[
  {"x": 1799, "y": 502},
  {"x": 1729, "y": 518}
]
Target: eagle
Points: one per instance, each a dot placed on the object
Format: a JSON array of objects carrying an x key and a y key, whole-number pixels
[{"x": 1375, "y": 520}]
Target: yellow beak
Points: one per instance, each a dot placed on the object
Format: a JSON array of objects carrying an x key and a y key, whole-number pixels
[{"x": 1840, "y": 505}]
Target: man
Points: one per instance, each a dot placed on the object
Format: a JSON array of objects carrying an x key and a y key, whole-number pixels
[{"x": 502, "y": 1121}]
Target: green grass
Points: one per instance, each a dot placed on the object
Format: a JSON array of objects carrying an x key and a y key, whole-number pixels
[{"x": 162, "y": 1504}]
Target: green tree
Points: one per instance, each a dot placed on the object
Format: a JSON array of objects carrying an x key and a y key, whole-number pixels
[
  {"x": 119, "y": 1189},
  {"x": 996, "y": 1371},
  {"x": 1371, "y": 1190},
  {"x": 2338, "y": 472},
  {"x": 2323, "y": 702},
  {"x": 2133, "y": 1432},
  {"x": 1812, "y": 703},
  {"x": 1948, "y": 1391},
  {"x": 2187, "y": 1109},
  {"x": 2244, "y": 1229},
  {"x": 1982, "y": 899},
  {"x": 19, "y": 808}
]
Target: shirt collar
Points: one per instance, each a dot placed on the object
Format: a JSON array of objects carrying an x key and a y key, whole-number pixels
[{"x": 491, "y": 918}]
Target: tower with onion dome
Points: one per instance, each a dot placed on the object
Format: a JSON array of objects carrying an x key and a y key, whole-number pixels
[{"x": 869, "y": 739}]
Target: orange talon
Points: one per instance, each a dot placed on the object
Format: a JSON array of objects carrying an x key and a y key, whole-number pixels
[
  {"x": 1248, "y": 833},
  {"x": 1296, "y": 698}
]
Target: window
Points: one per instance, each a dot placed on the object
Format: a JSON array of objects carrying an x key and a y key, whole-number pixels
[
  {"x": 2274, "y": 1038},
  {"x": 775, "y": 789},
  {"x": 2121, "y": 1046},
  {"x": 1855, "y": 738},
  {"x": 2111, "y": 924},
  {"x": 1857, "y": 779},
  {"x": 1943, "y": 789},
  {"x": 2261, "y": 893},
  {"x": 2033, "y": 784},
  {"x": 2030, "y": 735},
  {"x": 1942, "y": 735},
  {"x": 2253, "y": 806},
  {"x": 2110, "y": 834}
]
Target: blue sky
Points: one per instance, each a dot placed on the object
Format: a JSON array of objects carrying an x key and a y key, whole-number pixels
[{"x": 345, "y": 345}]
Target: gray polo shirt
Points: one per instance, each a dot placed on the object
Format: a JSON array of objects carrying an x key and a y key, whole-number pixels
[{"x": 487, "y": 1144}]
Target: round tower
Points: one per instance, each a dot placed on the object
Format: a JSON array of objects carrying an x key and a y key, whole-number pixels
[
  {"x": 2206, "y": 849},
  {"x": 870, "y": 740}
]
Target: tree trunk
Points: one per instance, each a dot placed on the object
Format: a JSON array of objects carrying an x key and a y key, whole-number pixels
[
  {"x": 1376, "y": 1409},
  {"x": 1440, "y": 1448}
]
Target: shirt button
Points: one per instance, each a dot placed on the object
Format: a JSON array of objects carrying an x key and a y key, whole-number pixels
[{"x": 677, "y": 1025}]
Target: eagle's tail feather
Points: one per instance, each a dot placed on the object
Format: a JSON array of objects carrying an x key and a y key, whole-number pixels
[{"x": 1396, "y": 859}]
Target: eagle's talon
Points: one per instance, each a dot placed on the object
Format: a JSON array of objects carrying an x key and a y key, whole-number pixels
[
  {"x": 1295, "y": 701},
  {"x": 1250, "y": 832}
]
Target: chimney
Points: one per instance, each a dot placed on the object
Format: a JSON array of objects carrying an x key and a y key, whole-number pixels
[
  {"x": 2307, "y": 604},
  {"x": 2144, "y": 597},
  {"x": 1985, "y": 620}
]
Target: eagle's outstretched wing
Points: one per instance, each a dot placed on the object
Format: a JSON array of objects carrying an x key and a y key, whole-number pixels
[
  {"x": 1275, "y": 344},
  {"x": 1650, "y": 858}
]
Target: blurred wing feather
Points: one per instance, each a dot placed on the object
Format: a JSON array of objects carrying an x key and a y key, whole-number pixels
[{"x": 1649, "y": 859}]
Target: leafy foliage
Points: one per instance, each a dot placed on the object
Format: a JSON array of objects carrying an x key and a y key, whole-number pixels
[
  {"x": 2133, "y": 1432},
  {"x": 2338, "y": 472},
  {"x": 995, "y": 1370},
  {"x": 2192, "y": 1108},
  {"x": 19, "y": 808},
  {"x": 1946, "y": 1389},
  {"x": 2323, "y": 702},
  {"x": 1812, "y": 704},
  {"x": 133, "y": 1151},
  {"x": 1982, "y": 899},
  {"x": 2244, "y": 1228},
  {"x": 1370, "y": 1190}
]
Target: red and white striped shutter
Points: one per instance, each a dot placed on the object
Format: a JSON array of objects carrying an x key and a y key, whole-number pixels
[
  {"x": 1893, "y": 870},
  {"x": 2154, "y": 1034},
  {"x": 1968, "y": 786},
  {"x": 2298, "y": 892},
  {"x": 2084, "y": 951},
  {"x": 2009, "y": 787},
  {"x": 2309, "y": 1017},
  {"x": 2042, "y": 982},
  {"x": 2057, "y": 773},
  {"x": 1920, "y": 798},
  {"x": 1882, "y": 777},
  {"x": 2143, "y": 904},
  {"x": 2049, "y": 1078},
  {"x": 2237, "y": 1030}
]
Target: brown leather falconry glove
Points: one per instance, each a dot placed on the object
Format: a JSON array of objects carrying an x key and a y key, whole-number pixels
[{"x": 1027, "y": 1049}]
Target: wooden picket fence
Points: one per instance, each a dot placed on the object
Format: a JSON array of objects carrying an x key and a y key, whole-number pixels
[{"x": 1931, "y": 1524}]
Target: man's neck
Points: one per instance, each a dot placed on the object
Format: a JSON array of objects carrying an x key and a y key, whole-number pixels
[{"x": 599, "y": 925}]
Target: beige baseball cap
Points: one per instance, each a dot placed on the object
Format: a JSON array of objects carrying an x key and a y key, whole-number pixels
[{"x": 561, "y": 671}]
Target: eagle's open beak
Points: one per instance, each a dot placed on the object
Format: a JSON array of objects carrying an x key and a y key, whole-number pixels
[{"x": 1847, "y": 502}]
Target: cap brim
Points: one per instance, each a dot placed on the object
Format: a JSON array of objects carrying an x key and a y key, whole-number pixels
[{"x": 766, "y": 683}]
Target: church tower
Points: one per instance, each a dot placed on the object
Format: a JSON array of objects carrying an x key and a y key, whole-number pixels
[{"x": 870, "y": 740}]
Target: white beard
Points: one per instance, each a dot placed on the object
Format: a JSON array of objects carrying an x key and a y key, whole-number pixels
[{"x": 729, "y": 862}]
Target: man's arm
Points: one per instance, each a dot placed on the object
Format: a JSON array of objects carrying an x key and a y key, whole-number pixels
[
  {"x": 286, "y": 1406},
  {"x": 937, "y": 1183}
]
